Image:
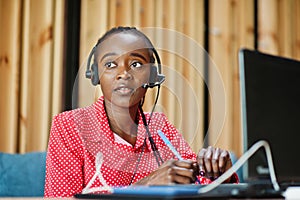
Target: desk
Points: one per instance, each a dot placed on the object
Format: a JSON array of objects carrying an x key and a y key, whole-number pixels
[
  {"x": 295, "y": 194},
  {"x": 223, "y": 191},
  {"x": 39, "y": 198},
  {"x": 33, "y": 198}
]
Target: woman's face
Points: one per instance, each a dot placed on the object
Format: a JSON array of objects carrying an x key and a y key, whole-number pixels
[{"x": 123, "y": 63}]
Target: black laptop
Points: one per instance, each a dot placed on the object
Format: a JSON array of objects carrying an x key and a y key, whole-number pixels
[{"x": 270, "y": 96}]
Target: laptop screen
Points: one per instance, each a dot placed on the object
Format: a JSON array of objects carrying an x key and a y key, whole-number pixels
[{"x": 270, "y": 96}]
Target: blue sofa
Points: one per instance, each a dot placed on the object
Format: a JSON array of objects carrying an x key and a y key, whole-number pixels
[{"x": 22, "y": 175}]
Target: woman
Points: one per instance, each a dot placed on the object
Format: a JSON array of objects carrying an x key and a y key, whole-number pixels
[{"x": 113, "y": 142}]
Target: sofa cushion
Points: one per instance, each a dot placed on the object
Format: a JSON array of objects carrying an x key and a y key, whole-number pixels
[{"x": 22, "y": 174}]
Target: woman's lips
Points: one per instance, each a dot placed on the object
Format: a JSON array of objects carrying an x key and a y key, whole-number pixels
[{"x": 123, "y": 90}]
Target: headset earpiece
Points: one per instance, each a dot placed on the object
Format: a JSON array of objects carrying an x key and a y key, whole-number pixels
[
  {"x": 160, "y": 78},
  {"x": 153, "y": 75},
  {"x": 95, "y": 76},
  {"x": 93, "y": 72},
  {"x": 155, "y": 78}
]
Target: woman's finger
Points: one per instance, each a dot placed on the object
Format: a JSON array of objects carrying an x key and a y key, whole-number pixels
[
  {"x": 215, "y": 163},
  {"x": 182, "y": 175},
  {"x": 224, "y": 157},
  {"x": 207, "y": 162},
  {"x": 200, "y": 160}
]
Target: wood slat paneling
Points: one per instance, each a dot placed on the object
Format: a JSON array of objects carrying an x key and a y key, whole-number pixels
[
  {"x": 120, "y": 13},
  {"x": 244, "y": 35},
  {"x": 221, "y": 51},
  {"x": 37, "y": 42},
  {"x": 285, "y": 30},
  {"x": 231, "y": 27},
  {"x": 190, "y": 65},
  {"x": 10, "y": 15},
  {"x": 57, "y": 67},
  {"x": 268, "y": 37},
  {"x": 277, "y": 27},
  {"x": 94, "y": 23},
  {"x": 296, "y": 32}
]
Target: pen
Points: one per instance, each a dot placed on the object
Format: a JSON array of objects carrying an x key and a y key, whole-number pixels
[
  {"x": 168, "y": 143},
  {"x": 172, "y": 148}
]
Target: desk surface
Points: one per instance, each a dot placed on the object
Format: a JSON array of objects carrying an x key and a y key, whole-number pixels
[
  {"x": 39, "y": 198},
  {"x": 291, "y": 192}
]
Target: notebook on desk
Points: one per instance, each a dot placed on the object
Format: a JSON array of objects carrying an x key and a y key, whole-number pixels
[{"x": 270, "y": 96}]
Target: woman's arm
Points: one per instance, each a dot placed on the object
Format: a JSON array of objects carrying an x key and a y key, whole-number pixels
[
  {"x": 64, "y": 159},
  {"x": 172, "y": 171}
]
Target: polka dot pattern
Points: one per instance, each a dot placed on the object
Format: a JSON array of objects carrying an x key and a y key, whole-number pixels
[{"x": 77, "y": 136}]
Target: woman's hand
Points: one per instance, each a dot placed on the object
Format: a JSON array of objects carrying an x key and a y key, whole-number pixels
[
  {"x": 171, "y": 172},
  {"x": 213, "y": 162}
]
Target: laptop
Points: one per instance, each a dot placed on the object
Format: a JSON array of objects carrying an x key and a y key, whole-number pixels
[{"x": 270, "y": 96}]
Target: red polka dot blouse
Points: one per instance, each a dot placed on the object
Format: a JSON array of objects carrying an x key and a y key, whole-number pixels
[{"x": 82, "y": 137}]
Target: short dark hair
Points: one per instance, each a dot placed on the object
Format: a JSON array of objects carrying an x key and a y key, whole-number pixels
[{"x": 133, "y": 30}]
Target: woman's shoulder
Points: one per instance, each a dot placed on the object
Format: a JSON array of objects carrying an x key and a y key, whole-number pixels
[
  {"x": 159, "y": 121},
  {"x": 70, "y": 114},
  {"x": 68, "y": 124},
  {"x": 79, "y": 114},
  {"x": 155, "y": 115}
]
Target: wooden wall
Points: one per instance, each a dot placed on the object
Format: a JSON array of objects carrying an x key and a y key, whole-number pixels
[
  {"x": 30, "y": 77},
  {"x": 10, "y": 70},
  {"x": 231, "y": 26},
  {"x": 31, "y": 60}
]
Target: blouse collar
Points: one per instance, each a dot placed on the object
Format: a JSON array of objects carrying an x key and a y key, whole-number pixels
[{"x": 99, "y": 129}]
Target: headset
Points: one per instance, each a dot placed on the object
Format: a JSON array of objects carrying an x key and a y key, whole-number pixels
[{"x": 156, "y": 78}]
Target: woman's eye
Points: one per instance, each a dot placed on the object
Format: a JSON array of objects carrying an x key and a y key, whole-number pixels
[
  {"x": 110, "y": 65},
  {"x": 136, "y": 64}
]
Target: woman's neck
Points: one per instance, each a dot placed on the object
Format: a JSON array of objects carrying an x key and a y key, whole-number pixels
[{"x": 123, "y": 121}]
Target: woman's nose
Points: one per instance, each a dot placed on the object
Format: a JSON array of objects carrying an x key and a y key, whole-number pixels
[{"x": 124, "y": 73}]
